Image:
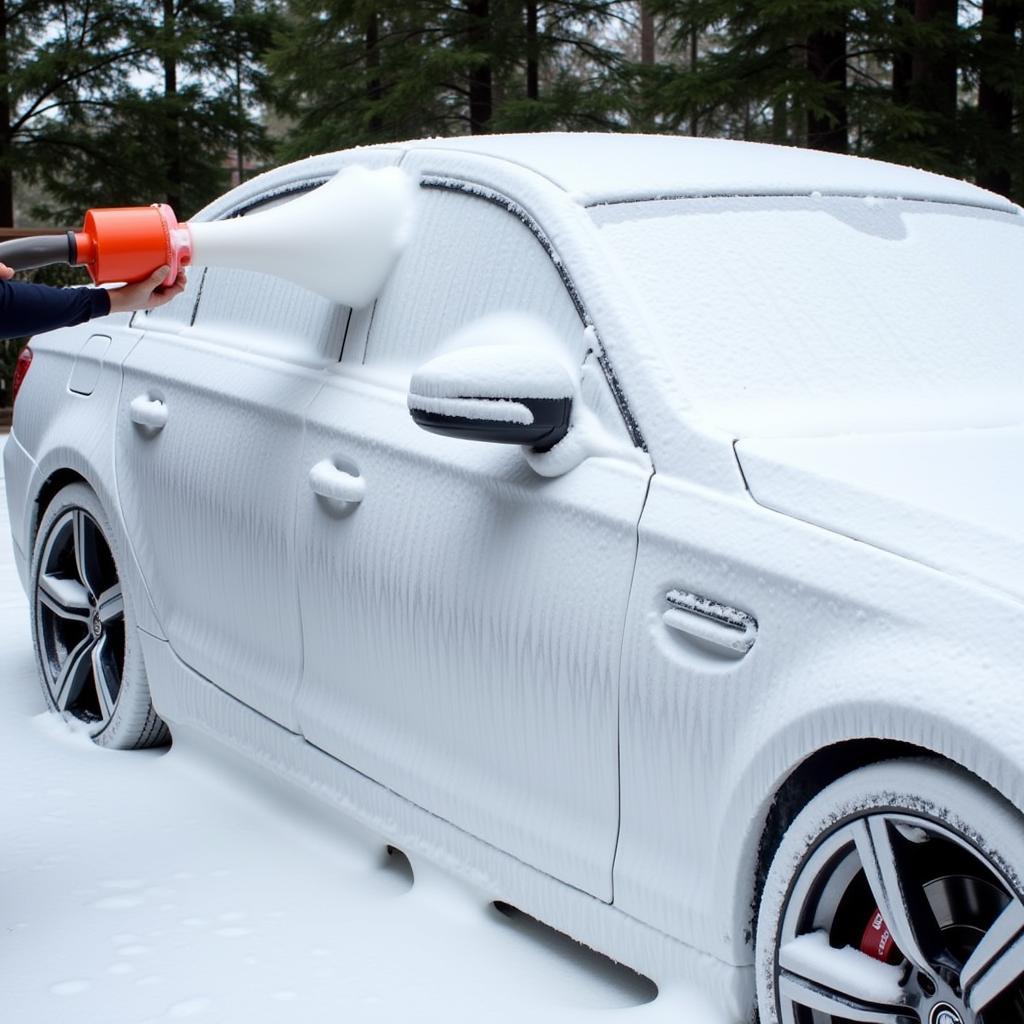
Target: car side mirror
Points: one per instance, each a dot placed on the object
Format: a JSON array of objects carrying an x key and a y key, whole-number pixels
[{"x": 509, "y": 394}]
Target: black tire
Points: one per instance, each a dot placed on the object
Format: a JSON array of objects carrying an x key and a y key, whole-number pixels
[
  {"x": 83, "y": 628},
  {"x": 896, "y": 895}
]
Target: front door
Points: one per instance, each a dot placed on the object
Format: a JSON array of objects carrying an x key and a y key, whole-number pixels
[{"x": 463, "y": 620}]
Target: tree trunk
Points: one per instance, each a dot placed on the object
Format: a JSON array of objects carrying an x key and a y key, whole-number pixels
[
  {"x": 646, "y": 35},
  {"x": 902, "y": 57},
  {"x": 240, "y": 114},
  {"x": 239, "y": 96},
  {"x": 694, "y": 45},
  {"x": 173, "y": 164},
  {"x": 481, "y": 98},
  {"x": 532, "y": 55},
  {"x": 934, "y": 67},
  {"x": 995, "y": 91},
  {"x": 826, "y": 59},
  {"x": 6, "y": 154},
  {"x": 374, "y": 89}
]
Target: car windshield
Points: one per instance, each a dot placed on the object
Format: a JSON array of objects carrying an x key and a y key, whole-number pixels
[{"x": 814, "y": 315}]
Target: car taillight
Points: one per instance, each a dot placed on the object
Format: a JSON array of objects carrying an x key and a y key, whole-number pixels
[{"x": 20, "y": 369}]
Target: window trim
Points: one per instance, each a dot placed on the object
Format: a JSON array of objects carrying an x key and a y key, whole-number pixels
[
  {"x": 469, "y": 188},
  {"x": 294, "y": 188}
]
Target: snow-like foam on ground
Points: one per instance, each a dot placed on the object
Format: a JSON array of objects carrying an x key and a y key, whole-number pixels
[{"x": 140, "y": 887}]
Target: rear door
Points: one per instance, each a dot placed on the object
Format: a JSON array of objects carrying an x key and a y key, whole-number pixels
[{"x": 209, "y": 447}]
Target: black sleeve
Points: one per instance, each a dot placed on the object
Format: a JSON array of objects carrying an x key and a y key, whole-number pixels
[{"x": 32, "y": 308}]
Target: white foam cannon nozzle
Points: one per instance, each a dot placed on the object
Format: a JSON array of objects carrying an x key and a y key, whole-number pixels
[{"x": 340, "y": 240}]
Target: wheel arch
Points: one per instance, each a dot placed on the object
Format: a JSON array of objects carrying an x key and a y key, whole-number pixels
[
  {"x": 809, "y": 777},
  {"x": 811, "y": 889},
  {"x": 55, "y": 471},
  {"x": 50, "y": 487},
  {"x": 114, "y": 702},
  {"x": 804, "y": 780}
]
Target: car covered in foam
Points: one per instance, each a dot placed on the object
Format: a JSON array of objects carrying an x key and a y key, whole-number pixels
[{"x": 649, "y": 551}]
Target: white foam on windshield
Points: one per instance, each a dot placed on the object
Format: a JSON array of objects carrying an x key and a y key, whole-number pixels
[{"x": 816, "y": 315}]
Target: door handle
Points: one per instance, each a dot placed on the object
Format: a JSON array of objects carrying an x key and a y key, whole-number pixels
[
  {"x": 711, "y": 621},
  {"x": 149, "y": 412},
  {"x": 335, "y": 484}
]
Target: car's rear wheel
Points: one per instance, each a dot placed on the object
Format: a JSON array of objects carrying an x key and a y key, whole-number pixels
[
  {"x": 896, "y": 898},
  {"x": 86, "y": 641}
]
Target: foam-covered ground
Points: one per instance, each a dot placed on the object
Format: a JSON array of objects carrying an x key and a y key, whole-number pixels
[{"x": 156, "y": 886}]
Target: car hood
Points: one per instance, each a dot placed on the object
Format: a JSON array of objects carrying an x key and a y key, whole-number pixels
[{"x": 952, "y": 500}]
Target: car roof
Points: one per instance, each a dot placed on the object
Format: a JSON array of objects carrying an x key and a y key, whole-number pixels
[{"x": 599, "y": 168}]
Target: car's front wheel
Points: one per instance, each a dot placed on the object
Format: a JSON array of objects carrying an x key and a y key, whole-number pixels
[
  {"x": 86, "y": 642},
  {"x": 896, "y": 898}
]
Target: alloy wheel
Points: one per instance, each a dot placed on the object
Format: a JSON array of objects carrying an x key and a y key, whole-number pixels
[
  {"x": 896, "y": 919},
  {"x": 80, "y": 625}
]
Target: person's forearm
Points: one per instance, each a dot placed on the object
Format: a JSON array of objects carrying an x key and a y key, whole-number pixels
[{"x": 27, "y": 309}]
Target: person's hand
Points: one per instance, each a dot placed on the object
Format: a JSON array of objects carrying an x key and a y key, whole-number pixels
[
  {"x": 146, "y": 294},
  {"x": 5, "y": 272}
]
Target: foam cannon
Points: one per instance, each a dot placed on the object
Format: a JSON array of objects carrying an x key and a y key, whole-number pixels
[{"x": 340, "y": 240}]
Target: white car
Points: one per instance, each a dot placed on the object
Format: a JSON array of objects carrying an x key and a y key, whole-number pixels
[{"x": 718, "y": 666}]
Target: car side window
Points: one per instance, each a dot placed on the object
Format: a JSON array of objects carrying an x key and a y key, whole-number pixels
[
  {"x": 176, "y": 314},
  {"x": 266, "y": 314},
  {"x": 468, "y": 257}
]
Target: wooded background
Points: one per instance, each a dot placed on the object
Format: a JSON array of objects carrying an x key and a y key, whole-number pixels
[
  {"x": 110, "y": 102},
  {"x": 115, "y": 102},
  {"x": 131, "y": 101}
]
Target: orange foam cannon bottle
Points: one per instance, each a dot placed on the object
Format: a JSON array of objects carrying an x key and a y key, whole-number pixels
[
  {"x": 121, "y": 244},
  {"x": 128, "y": 243}
]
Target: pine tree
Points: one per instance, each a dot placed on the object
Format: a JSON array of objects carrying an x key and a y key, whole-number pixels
[
  {"x": 57, "y": 61},
  {"x": 998, "y": 131},
  {"x": 347, "y": 72},
  {"x": 806, "y": 72},
  {"x": 581, "y": 71},
  {"x": 913, "y": 81},
  {"x": 350, "y": 72},
  {"x": 170, "y": 129}
]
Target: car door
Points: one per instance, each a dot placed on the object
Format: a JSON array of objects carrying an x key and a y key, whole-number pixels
[
  {"x": 209, "y": 448},
  {"x": 463, "y": 620}
]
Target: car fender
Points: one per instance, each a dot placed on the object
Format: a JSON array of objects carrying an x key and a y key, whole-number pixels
[
  {"x": 69, "y": 435},
  {"x": 925, "y": 709},
  {"x": 853, "y": 643}
]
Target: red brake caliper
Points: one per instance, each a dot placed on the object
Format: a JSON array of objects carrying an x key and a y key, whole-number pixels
[{"x": 877, "y": 942}]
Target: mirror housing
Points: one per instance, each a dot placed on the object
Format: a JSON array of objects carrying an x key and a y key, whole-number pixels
[{"x": 508, "y": 394}]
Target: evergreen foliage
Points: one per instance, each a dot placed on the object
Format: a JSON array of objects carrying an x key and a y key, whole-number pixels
[
  {"x": 119, "y": 102},
  {"x": 933, "y": 83},
  {"x": 411, "y": 69},
  {"x": 928, "y": 83},
  {"x": 55, "y": 58},
  {"x": 108, "y": 102}
]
